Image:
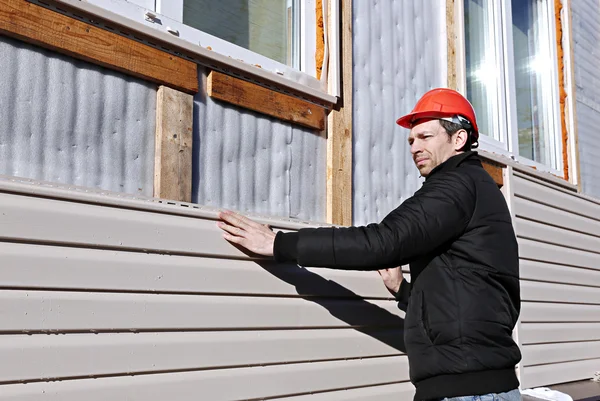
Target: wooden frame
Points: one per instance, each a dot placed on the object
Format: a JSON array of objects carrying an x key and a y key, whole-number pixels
[
  {"x": 46, "y": 28},
  {"x": 257, "y": 98},
  {"x": 173, "y": 145},
  {"x": 339, "y": 133}
]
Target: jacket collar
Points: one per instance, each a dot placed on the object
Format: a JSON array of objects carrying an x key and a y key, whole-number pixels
[{"x": 470, "y": 157}]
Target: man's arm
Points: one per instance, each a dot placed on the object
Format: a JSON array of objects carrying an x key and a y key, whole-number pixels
[{"x": 439, "y": 212}]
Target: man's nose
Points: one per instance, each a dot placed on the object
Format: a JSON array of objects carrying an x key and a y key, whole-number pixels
[{"x": 415, "y": 147}]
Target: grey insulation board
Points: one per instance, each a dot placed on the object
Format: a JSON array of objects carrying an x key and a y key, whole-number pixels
[
  {"x": 67, "y": 121},
  {"x": 399, "y": 53},
  {"x": 586, "y": 36},
  {"x": 253, "y": 163}
]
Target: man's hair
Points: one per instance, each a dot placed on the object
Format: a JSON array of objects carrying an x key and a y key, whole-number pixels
[{"x": 452, "y": 128}]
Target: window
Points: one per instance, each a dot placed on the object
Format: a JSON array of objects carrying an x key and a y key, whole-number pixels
[
  {"x": 511, "y": 77},
  {"x": 267, "y": 27}
]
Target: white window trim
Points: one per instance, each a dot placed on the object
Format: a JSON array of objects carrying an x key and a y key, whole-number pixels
[
  {"x": 507, "y": 122},
  {"x": 169, "y": 30}
]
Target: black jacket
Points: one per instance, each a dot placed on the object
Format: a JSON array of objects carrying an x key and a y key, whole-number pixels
[{"x": 463, "y": 300}]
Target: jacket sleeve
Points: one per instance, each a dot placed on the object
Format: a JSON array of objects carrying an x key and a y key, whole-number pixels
[{"x": 439, "y": 212}]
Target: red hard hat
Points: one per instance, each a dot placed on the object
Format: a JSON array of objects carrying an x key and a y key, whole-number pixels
[{"x": 440, "y": 103}]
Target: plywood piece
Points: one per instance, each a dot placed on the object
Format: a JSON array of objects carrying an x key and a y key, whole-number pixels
[
  {"x": 260, "y": 99},
  {"x": 220, "y": 384},
  {"x": 43, "y": 27},
  {"x": 339, "y": 134},
  {"x": 495, "y": 170},
  {"x": 173, "y": 145},
  {"x": 59, "y": 356}
]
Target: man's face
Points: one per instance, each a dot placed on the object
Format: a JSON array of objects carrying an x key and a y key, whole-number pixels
[{"x": 430, "y": 146}]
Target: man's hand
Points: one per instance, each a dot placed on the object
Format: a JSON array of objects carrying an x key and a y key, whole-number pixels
[
  {"x": 392, "y": 278},
  {"x": 255, "y": 237}
]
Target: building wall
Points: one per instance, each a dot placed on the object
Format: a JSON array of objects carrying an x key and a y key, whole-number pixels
[
  {"x": 399, "y": 53},
  {"x": 68, "y": 121},
  {"x": 107, "y": 297},
  {"x": 586, "y": 50},
  {"x": 250, "y": 162},
  {"x": 559, "y": 245}
]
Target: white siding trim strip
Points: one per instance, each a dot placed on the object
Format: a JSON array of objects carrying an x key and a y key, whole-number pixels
[
  {"x": 540, "y": 252},
  {"x": 220, "y": 385},
  {"x": 557, "y": 236},
  {"x": 550, "y": 292},
  {"x": 555, "y": 313},
  {"x": 401, "y": 391},
  {"x": 546, "y": 272},
  {"x": 544, "y": 375}
]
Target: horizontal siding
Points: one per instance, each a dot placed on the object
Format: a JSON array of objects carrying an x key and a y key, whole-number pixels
[
  {"x": 219, "y": 385},
  {"x": 559, "y": 245},
  {"x": 106, "y": 297},
  {"x": 60, "y": 356}
]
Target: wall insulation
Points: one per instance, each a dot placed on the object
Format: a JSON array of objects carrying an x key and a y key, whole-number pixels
[
  {"x": 586, "y": 36},
  {"x": 399, "y": 53},
  {"x": 68, "y": 121},
  {"x": 253, "y": 163}
]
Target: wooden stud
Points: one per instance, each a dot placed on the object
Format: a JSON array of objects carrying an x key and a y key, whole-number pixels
[
  {"x": 46, "y": 28},
  {"x": 339, "y": 133},
  {"x": 257, "y": 98},
  {"x": 495, "y": 170},
  {"x": 451, "y": 37},
  {"x": 173, "y": 145}
]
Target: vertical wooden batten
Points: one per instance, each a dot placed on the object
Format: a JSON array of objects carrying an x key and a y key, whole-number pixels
[
  {"x": 339, "y": 131},
  {"x": 173, "y": 145},
  {"x": 451, "y": 43}
]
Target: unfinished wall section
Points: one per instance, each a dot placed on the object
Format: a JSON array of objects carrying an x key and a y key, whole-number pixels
[
  {"x": 586, "y": 36},
  {"x": 253, "y": 163},
  {"x": 68, "y": 121},
  {"x": 399, "y": 53}
]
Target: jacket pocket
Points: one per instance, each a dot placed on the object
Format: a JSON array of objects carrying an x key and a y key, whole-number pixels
[{"x": 423, "y": 319}]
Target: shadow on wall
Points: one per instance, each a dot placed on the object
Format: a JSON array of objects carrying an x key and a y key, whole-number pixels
[{"x": 363, "y": 316}]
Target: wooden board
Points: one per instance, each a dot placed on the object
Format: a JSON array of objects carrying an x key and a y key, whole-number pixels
[
  {"x": 495, "y": 170},
  {"x": 46, "y": 28},
  {"x": 451, "y": 42},
  {"x": 266, "y": 101},
  {"x": 339, "y": 134},
  {"x": 173, "y": 145}
]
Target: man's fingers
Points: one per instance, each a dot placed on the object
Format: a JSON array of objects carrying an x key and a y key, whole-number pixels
[
  {"x": 234, "y": 219},
  {"x": 233, "y": 238},
  {"x": 232, "y": 229}
]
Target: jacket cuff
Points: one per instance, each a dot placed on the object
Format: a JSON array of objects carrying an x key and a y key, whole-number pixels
[
  {"x": 403, "y": 294},
  {"x": 285, "y": 248}
]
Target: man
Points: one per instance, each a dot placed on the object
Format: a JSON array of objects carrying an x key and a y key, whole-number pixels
[{"x": 463, "y": 300}]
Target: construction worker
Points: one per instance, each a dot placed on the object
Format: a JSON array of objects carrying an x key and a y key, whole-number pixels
[{"x": 456, "y": 233}]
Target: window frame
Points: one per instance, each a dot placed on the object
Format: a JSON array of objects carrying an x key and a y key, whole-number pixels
[
  {"x": 168, "y": 20},
  {"x": 507, "y": 120}
]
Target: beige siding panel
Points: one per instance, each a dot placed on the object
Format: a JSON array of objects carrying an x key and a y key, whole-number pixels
[
  {"x": 551, "y": 292},
  {"x": 61, "y": 356},
  {"x": 68, "y": 311},
  {"x": 556, "y": 198},
  {"x": 35, "y": 219},
  {"x": 533, "y": 250},
  {"x": 41, "y": 266},
  {"x": 555, "y": 353},
  {"x": 544, "y": 375},
  {"x": 390, "y": 392},
  {"x": 540, "y": 271},
  {"x": 533, "y": 333},
  {"x": 220, "y": 385},
  {"x": 549, "y": 312},
  {"x": 566, "y": 238},
  {"x": 546, "y": 214}
]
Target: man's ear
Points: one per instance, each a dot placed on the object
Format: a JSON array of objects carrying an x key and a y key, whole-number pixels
[{"x": 460, "y": 139}]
